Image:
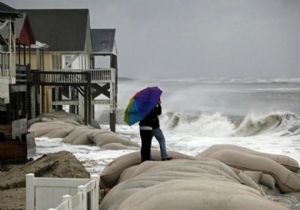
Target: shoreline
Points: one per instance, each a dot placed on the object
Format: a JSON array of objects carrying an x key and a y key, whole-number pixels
[{"x": 125, "y": 169}]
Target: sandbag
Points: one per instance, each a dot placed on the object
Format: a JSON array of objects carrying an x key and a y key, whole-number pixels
[
  {"x": 134, "y": 171},
  {"x": 79, "y": 136},
  {"x": 118, "y": 146},
  {"x": 295, "y": 195},
  {"x": 254, "y": 175},
  {"x": 112, "y": 172},
  {"x": 102, "y": 137},
  {"x": 184, "y": 184},
  {"x": 69, "y": 118},
  {"x": 128, "y": 172},
  {"x": 267, "y": 180},
  {"x": 53, "y": 129},
  {"x": 70, "y": 128},
  {"x": 287, "y": 180},
  {"x": 182, "y": 169},
  {"x": 247, "y": 180},
  {"x": 193, "y": 195},
  {"x": 286, "y": 161}
]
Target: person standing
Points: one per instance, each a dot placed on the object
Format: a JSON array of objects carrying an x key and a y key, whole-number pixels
[
  {"x": 158, "y": 134},
  {"x": 146, "y": 133},
  {"x": 150, "y": 127}
]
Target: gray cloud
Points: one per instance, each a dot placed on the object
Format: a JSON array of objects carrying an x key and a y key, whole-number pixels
[{"x": 197, "y": 38}]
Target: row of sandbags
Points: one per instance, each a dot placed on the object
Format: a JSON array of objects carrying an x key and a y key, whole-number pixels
[
  {"x": 70, "y": 128},
  {"x": 280, "y": 167},
  {"x": 63, "y": 116},
  {"x": 222, "y": 177}
]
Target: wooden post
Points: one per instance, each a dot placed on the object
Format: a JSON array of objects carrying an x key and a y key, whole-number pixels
[
  {"x": 85, "y": 105},
  {"x": 114, "y": 91},
  {"x": 72, "y": 97},
  {"x": 19, "y": 52},
  {"x": 38, "y": 59},
  {"x": 36, "y": 97},
  {"x": 112, "y": 96},
  {"x": 28, "y": 92},
  {"x": 24, "y": 56},
  {"x": 112, "y": 121},
  {"x": 42, "y": 60},
  {"x": 89, "y": 98},
  {"x": 29, "y": 53},
  {"x": 43, "y": 98}
]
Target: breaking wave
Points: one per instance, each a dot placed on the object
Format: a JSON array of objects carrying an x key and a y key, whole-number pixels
[
  {"x": 201, "y": 124},
  {"x": 216, "y": 124},
  {"x": 280, "y": 123},
  {"x": 219, "y": 125}
]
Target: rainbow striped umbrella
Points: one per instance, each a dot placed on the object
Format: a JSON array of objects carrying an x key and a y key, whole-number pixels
[{"x": 141, "y": 104}]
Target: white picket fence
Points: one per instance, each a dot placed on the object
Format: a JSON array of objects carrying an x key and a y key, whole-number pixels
[{"x": 62, "y": 193}]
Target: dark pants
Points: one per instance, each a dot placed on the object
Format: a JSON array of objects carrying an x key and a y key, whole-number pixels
[{"x": 146, "y": 137}]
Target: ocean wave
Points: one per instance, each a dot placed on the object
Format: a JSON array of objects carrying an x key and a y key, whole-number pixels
[
  {"x": 278, "y": 123},
  {"x": 219, "y": 80},
  {"x": 200, "y": 124},
  {"x": 216, "y": 124}
]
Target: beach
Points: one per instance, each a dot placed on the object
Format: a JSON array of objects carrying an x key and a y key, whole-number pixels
[
  {"x": 149, "y": 105},
  {"x": 189, "y": 132}
]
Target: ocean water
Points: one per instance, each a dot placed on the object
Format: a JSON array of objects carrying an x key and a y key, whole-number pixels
[{"x": 259, "y": 114}]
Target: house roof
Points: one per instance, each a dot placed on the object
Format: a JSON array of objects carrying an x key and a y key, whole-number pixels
[
  {"x": 7, "y": 11},
  {"x": 23, "y": 31},
  {"x": 103, "y": 40},
  {"x": 61, "y": 29}
]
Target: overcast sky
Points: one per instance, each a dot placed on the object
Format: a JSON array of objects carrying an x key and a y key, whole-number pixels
[{"x": 196, "y": 38}]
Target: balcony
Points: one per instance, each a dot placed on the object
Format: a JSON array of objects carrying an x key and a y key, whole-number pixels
[
  {"x": 7, "y": 66},
  {"x": 106, "y": 75}
]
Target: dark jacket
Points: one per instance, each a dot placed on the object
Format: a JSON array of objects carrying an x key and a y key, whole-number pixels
[{"x": 152, "y": 118}]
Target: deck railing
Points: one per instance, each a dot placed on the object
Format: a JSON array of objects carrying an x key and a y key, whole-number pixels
[
  {"x": 73, "y": 76},
  {"x": 62, "y": 193},
  {"x": 6, "y": 70},
  {"x": 21, "y": 73},
  {"x": 102, "y": 75},
  {"x": 97, "y": 75},
  {"x": 59, "y": 77}
]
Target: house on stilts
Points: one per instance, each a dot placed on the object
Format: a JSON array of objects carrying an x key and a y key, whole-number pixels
[
  {"x": 104, "y": 57},
  {"x": 16, "y": 144},
  {"x": 49, "y": 60},
  {"x": 69, "y": 77}
]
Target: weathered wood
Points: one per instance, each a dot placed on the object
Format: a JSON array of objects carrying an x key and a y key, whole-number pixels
[
  {"x": 101, "y": 101},
  {"x": 98, "y": 89},
  {"x": 13, "y": 151},
  {"x": 59, "y": 78},
  {"x": 65, "y": 102},
  {"x": 6, "y": 130},
  {"x": 82, "y": 83},
  {"x": 85, "y": 106},
  {"x": 112, "y": 121}
]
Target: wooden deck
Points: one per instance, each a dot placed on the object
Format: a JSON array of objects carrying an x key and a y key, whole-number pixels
[{"x": 87, "y": 84}]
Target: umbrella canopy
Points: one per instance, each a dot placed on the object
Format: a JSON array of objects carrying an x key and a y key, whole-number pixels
[{"x": 141, "y": 104}]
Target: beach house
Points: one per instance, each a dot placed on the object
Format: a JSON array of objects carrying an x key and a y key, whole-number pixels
[
  {"x": 70, "y": 50},
  {"x": 66, "y": 32},
  {"x": 15, "y": 141},
  {"x": 104, "y": 56}
]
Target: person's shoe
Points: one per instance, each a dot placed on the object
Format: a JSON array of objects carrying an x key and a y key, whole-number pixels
[{"x": 168, "y": 158}]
